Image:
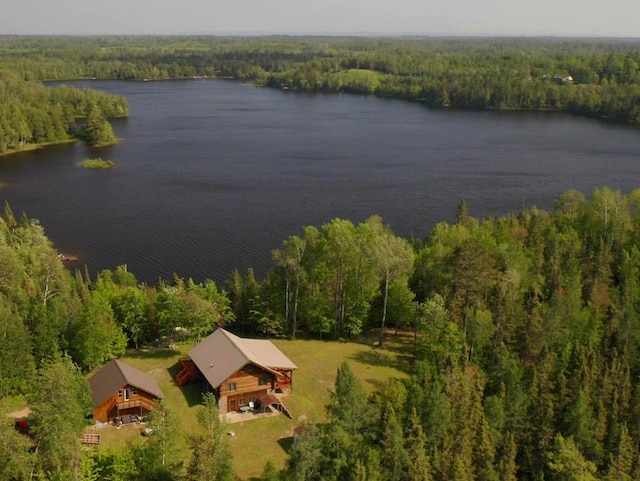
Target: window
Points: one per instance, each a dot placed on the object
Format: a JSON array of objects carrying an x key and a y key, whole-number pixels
[
  {"x": 243, "y": 401},
  {"x": 134, "y": 391},
  {"x": 232, "y": 386},
  {"x": 120, "y": 393},
  {"x": 262, "y": 382}
]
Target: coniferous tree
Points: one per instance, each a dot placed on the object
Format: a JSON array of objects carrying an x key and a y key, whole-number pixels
[
  {"x": 566, "y": 463},
  {"x": 270, "y": 473},
  {"x": 97, "y": 130},
  {"x": 348, "y": 405},
  {"x": 394, "y": 458},
  {"x": 419, "y": 468}
]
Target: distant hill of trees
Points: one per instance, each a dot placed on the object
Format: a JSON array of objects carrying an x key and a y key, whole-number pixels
[{"x": 593, "y": 77}]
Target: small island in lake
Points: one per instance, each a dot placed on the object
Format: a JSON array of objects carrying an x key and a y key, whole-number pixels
[{"x": 98, "y": 163}]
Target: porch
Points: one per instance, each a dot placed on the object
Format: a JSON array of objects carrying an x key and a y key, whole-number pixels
[
  {"x": 134, "y": 408},
  {"x": 267, "y": 404}
]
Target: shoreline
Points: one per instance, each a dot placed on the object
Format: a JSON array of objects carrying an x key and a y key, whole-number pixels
[
  {"x": 43, "y": 145},
  {"x": 32, "y": 147}
]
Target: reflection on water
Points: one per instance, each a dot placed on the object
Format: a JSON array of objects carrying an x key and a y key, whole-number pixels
[{"x": 213, "y": 175}]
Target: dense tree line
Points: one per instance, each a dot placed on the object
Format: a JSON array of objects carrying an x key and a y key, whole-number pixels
[
  {"x": 32, "y": 114},
  {"x": 526, "y": 360},
  {"x": 46, "y": 311},
  {"x": 55, "y": 326},
  {"x": 334, "y": 281},
  {"x": 583, "y": 76},
  {"x": 525, "y": 365}
]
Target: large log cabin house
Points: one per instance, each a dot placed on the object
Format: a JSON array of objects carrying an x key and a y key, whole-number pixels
[{"x": 239, "y": 371}]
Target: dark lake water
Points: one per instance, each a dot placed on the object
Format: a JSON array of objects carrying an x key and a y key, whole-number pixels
[{"x": 213, "y": 175}]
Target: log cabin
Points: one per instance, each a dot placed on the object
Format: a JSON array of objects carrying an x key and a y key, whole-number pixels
[
  {"x": 240, "y": 371},
  {"x": 119, "y": 389}
]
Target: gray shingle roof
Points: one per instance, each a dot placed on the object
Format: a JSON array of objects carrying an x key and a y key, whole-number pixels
[
  {"x": 117, "y": 374},
  {"x": 222, "y": 353}
]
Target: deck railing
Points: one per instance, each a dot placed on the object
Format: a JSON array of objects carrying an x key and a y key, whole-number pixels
[
  {"x": 282, "y": 381},
  {"x": 135, "y": 403}
]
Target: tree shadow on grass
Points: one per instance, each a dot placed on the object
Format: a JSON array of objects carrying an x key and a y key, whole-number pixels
[
  {"x": 286, "y": 443},
  {"x": 193, "y": 393},
  {"x": 153, "y": 354},
  {"x": 383, "y": 358},
  {"x": 378, "y": 384}
]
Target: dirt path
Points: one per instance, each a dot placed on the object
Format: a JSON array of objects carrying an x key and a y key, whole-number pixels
[{"x": 23, "y": 413}]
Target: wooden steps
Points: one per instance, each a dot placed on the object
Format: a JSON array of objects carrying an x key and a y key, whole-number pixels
[
  {"x": 285, "y": 411},
  {"x": 188, "y": 373},
  {"x": 273, "y": 401}
]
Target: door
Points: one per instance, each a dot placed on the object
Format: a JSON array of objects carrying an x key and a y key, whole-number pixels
[{"x": 127, "y": 394}]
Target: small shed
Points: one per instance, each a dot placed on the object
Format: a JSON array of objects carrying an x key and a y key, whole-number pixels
[
  {"x": 298, "y": 433},
  {"x": 119, "y": 389}
]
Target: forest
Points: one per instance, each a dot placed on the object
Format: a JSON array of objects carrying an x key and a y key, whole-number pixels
[
  {"x": 32, "y": 114},
  {"x": 525, "y": 363}
]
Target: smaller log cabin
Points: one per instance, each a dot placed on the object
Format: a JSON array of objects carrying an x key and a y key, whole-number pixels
[
  {"x": 119, "y": 389},
  {"x": 240, "y": 370}
]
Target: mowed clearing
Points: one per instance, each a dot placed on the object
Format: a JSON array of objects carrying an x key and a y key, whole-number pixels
[
  {"x": 268, "y": 439},
  {"x": 262, "y": 440}
]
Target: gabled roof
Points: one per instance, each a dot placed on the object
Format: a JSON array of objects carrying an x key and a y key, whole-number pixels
[
  {"x": 222, "y": 353},
  {"x": 117, "y": 374}
]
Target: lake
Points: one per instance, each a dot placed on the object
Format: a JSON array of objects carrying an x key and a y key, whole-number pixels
[{"x": 212, "y": 175}]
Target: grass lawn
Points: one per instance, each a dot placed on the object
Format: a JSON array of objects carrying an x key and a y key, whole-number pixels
[
  {"x": 262, "y": 440},
  {"x": 265, "y": 439},
  {"x": 183, "y": 402}
]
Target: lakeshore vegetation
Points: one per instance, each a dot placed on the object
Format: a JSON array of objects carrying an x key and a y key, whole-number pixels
[
  {"x": 521, "y": 361},
  {"x": 33, "y": 115}
]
